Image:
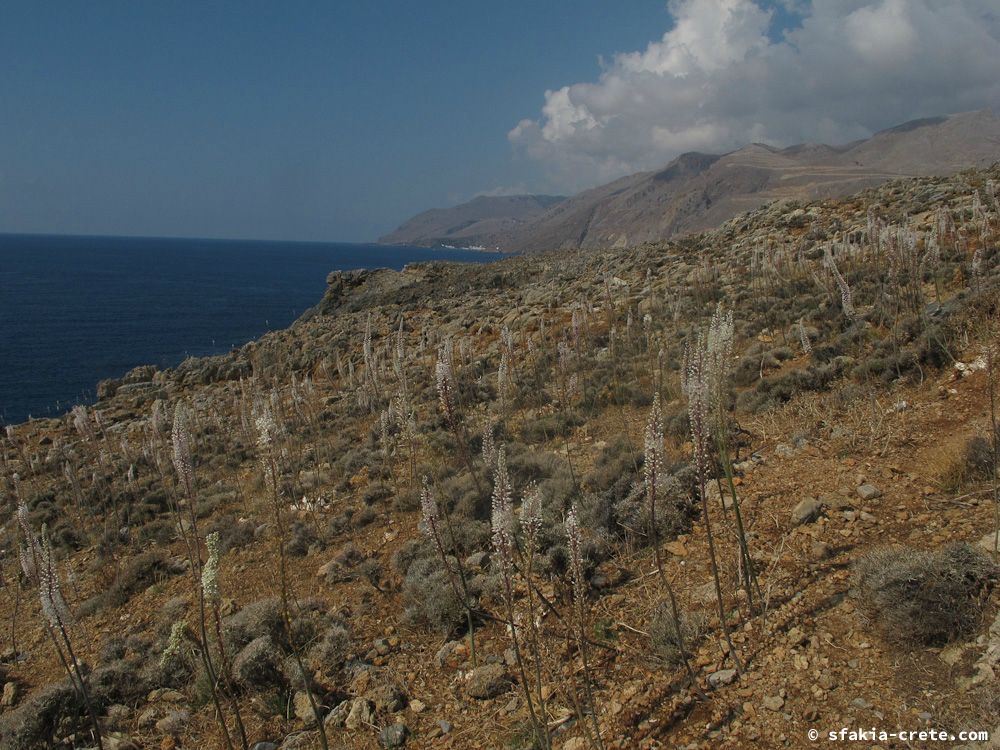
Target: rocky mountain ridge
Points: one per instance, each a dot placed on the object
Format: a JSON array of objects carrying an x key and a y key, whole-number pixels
[{"x": 697, "y": 192}]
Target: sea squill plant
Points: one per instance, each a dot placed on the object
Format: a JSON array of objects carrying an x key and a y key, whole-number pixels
[
  {"x": 653, "y": 467},
  {"x": 846, "y": 297},
  {"x": 212, "y": 593},
  {"x": 39, "y": 567},
  {"x": 445, "y": 381},
  {"x": 502, "y": 537},
  {"x": 698, "y": 389},
  {"x": 406, "y": 425},
  {"x": 718, "y": 358},
  {"x": 531, "y": 526},
  {"x": 804, "y": 338},
  {"x": 992, "y": 349},
  {"x": 435, "y": 521},
  {"x": 504, "y": 382},
  {"x": 489, "y": 445},
  {"x": 574, "y": 544},
  {"x": 268, "y": 452},
  {"x": 181, "y": 444}
]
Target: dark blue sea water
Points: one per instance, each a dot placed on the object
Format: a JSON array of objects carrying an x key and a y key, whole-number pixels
[{"x": 75, "y": 310}]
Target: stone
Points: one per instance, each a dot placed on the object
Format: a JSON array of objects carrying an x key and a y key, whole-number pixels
[
  {"x": 393, "y": 735},
  {"x": 722, "y": 677},
  {"x": 774, "y": 702},
  {"x": 477, "y": 560},
  {"x": 444, "y": 726},
  {"x": 452, "y": 654},
  {"x": 820, "y": 550},
  {"x": 264, "y": 746},
  {"x": 173, "y": 723},
  {"x": 338, "y": 716},
  {"x": 806, "y": 511},
  {"x": 868, "y": 492},
  {"x": 360, "y": 714},
  {"x": 148, "y": 718},
  {"x": 418, "y": 706},
  {"x": 677, "y": 548},
  {"x": 301, "y": 741},
  {"x": 10, "y": 694},
  {"x": 118, "y": 716},
  {"x": 303, "y": 708},
  {"x": 783, "y": 450},
  {"x": 387, "y": 698},
  {"x": 989, "y": 541},
  {"x": 487, "y": 681}
]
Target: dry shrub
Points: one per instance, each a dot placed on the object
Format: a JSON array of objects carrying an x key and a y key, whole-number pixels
[
  {"x": 924, "y": 598},
  {"x": 959, "y": 467},
  {"x": 663, "y": 632}
]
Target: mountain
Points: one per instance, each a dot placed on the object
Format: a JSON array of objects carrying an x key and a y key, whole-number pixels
[
  {"x": 480, "y": 222},
  {"x": 699, "y": 191}
]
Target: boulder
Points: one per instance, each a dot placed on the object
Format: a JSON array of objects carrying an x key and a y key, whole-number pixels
[{"x": 487, "y": 681}]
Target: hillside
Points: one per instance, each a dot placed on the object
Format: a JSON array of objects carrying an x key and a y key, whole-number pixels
[
  {"x": 477, "y": 223},
  {"x": 697, "y": 191},
  {"x": 719, "y": 492}
]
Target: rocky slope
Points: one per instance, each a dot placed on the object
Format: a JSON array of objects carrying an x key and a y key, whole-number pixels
[{"x": 350, "y": 466}]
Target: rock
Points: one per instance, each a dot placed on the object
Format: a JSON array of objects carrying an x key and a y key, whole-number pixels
[
  {"x": 10, "y": 694},
  {"x": 147, "y": 719},
  {"x": 417, "y": 706},
  {"x": 774, "y": 702},
  {"x": 444, "y": 726},
  {"x": 487, "y": 681},
  {"x": 806, "y": 511},
  {"x": 173, "y": 722},
  {"x": 166, "y": 695},
  {"x": 264, "y": 746},
  {"x": 118, "y": 716},
  {"x": 868, "y": 492},
  {"x": 988, "y": 543},
  {"x": 820, "y": 550},
  {"x": 303, "y": 708},
  {"x": 338, "y": 716},
  {"x": 677, "y": 548},
  {"x": 301, "y": 741},
  {"x": 452, "y": 654},
  {"x": 477, "y": 560},
  {"x": 393, "y": 735},
  {"x": 360, "y": 714},
  {"x": 783, "y": 450},
  {"x": 387, "y": 698},
  {"x": 722, "y": 677}
]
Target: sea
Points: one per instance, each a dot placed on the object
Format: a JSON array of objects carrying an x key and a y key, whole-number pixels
[{"x": 75, "y": 310}]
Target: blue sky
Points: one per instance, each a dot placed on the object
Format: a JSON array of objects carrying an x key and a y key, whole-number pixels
[
  {"x": 337, "y": 120},
  {"x": 278, "y": 120}
]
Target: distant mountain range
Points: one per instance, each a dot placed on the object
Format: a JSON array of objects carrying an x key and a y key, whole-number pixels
[
  {"x": 699, "y": 191},
  {"x": 484, "y": 221}
]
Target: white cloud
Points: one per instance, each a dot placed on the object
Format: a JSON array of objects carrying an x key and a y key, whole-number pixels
[{"x": 718, "y": 80}]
